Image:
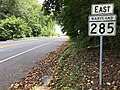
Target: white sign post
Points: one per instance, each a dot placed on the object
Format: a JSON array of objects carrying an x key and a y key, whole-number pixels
[{"x": 103, "y": 24}]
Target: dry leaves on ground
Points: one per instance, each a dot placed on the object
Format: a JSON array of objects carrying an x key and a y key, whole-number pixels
[
  {"x": 37, "y": 75},
  {"x": 74, "y": 71}
]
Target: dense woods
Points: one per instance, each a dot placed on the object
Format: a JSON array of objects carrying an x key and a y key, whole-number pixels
[
  {"x": 24, "y": 18},
  {"x": 72, "y": 15}
]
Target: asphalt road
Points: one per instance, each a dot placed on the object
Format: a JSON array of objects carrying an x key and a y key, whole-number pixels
[{"x": 18, "y": 56}]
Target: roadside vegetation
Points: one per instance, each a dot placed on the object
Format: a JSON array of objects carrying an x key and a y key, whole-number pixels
[
  {"x": 78, "y": 69},
  {"x": 24, "y": 18}
]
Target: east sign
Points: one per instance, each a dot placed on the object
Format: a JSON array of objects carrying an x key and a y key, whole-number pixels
[{"x": 102, "y": 9}]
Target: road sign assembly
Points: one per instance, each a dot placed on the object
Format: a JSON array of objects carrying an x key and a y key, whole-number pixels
[{"x": 101, "y": 23}]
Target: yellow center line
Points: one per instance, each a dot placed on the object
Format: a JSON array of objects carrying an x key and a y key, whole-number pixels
[{"x": 10, "y": 45}]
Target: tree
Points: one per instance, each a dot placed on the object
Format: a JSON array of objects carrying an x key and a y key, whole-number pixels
[
  {"x": 6, "y": 8},
  {"x": 13, "y": 27},
  {"x": 30, "y": 12},
  {"x": 72, "y": 15},
  {"x": 48, "y": 26}
]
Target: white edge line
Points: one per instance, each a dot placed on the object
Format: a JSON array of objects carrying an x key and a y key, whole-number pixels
[{"x": 25, "y": 52}]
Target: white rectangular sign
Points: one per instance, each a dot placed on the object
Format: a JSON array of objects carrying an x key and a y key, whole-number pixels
[
  {"x": 102, "y": 25},
  {"x": 102, "y": 9}
]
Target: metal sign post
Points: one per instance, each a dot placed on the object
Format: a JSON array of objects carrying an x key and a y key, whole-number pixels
[
  {"x": 102, "y": 22},
  {"x": 101, "y": 48}
]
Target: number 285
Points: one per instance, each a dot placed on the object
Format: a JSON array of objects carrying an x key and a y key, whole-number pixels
[{"x": 102, "y": 28}]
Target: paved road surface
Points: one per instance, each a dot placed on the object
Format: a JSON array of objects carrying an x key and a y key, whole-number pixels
[{"x": 17, "y": 56}]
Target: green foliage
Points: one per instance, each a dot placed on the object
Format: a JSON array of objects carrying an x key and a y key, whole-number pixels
[
  {"x": 48, "y": 26},
  {"x": 72, "y": 15},
  {"x": 29, "y": 11},
  {"x": 6, "y": 8},
  {"x": 13, "y": 27}
]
